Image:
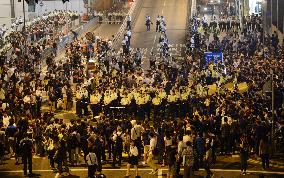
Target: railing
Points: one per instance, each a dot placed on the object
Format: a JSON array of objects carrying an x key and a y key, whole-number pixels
[
  {"x": 133, "y": 13},
  {"x": 69, "y": 37}
]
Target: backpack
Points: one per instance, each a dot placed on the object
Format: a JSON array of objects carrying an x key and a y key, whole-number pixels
[
  {"x": 119, "y": 142},
  {"x": 72, "y": 141},
  {"x": 26, "y": 146}
]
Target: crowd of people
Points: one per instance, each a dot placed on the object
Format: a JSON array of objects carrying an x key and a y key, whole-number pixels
[
  {"x": 169, "y": 113},
  {"x": 48, "y": 26},
  {"x": 114, "y": 15}
]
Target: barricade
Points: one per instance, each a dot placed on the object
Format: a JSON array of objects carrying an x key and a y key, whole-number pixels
[{"x": 79, "y": 30}]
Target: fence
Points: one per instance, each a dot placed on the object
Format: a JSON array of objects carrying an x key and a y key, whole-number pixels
[{"x": 69, "y": 37}]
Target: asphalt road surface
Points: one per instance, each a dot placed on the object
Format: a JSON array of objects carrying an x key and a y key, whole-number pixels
[
  {"x": 175, "y": 14},
  {"x": 226, "y": 167}
]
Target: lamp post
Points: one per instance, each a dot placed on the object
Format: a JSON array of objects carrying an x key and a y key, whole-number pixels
[
  {"x": 272, "y": 110},
  {"x": 24, "y": 28},
  {"x": 263, "y": 7},
  {"x": 24, "y": 12},
  {"x": 277, "y": 15}
]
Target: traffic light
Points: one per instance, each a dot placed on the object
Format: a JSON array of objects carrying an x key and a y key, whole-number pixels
[{"x": 65, "y": 1}]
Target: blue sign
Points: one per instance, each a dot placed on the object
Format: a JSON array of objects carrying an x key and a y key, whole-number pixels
[{"x": 213, "y": 57}]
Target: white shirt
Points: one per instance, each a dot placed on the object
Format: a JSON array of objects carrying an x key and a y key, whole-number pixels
[
  {"x": 158, "y": 19},
  {"x": 126, "y": 38},
  {"x": 91, "y": 159},
  {"x": 133, "y": 151},
  {"x": 6, "y": 121},
  {"x": 128, "y": 33},
  {"x": 136, "y": 132},
  {"x": 123, "y": 42},
  {"x": 117, "y": 134},
  {"x": 4, "y": 28},
  {"x": 153, "y": 143}
]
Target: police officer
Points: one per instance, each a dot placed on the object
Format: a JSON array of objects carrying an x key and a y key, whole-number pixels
[
  {"x": 128, "y": 23},
  {"x": 158, "y": 21},
  {"x": 128, "y": 34},
  {"x": 148, "y": 23},
  {"x": 26, "y": 146}
]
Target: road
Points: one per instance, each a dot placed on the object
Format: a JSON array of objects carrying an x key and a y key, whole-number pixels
[
  {"x": 175, "y": 13},
  {"x": 226, "y": 167}
]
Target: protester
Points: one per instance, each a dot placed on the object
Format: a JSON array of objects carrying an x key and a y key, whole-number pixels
[
  {"x": 167, "y": 112},
  {"x": 188, "y": 158},
  {"x": 26, "y": 146},
  {"x": 244, "y": 151},
  {"x": 133, "y": 159},
  {"x": 92, "y": 162},
  {"x": 151, "y": 153},
  {"x": 264, "y": 152}
]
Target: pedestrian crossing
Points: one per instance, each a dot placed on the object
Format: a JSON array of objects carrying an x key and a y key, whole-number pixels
[{"x": 175, "y": 50}]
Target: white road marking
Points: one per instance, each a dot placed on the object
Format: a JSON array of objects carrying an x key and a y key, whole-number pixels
[
  {"x": 163, "y": 7},
  {"x": 160, "y": 173},
  {"x": 153, "y": 43},
  {"x": 147, "y": 169}
]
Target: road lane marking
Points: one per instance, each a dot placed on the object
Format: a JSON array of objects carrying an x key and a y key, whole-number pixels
[
  {"x": 153, "y": 43},
  {"x": 160, "y": 173},
  {"x": 147, "y": 169},
  {"x": 163, "y": 7}
]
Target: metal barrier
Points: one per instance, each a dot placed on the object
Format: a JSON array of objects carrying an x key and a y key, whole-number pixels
[
  {"x": 80, "y": 30},
  {"x": 133, "y": 12},
  {"x": 68, "y": 38}
]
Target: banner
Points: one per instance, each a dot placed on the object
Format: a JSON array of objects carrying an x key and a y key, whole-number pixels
[{"x": 213, "y": 57}]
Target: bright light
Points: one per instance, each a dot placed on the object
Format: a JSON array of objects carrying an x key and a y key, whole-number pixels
[{"x": 205, "y": 8}]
